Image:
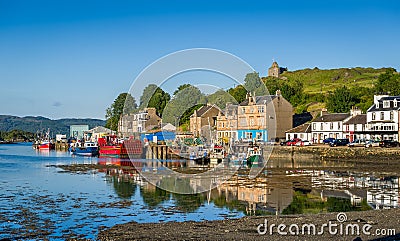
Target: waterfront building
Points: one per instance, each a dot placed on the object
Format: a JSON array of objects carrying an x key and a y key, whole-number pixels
[
  {"x": 328, "y": 126},
  {"x": 97, "y": 132},
  {"x": 77, "y": 131},
  {"x": 383, "y": 118},
  {"x": 227, "y": 124},
  {"x": 302, "y": 131},
  {"x": 139, "y": 122},
  {"x": 356, "y": 127},
  {"x": 204, "y": 120},
  {"x": 264, "y": 117}
]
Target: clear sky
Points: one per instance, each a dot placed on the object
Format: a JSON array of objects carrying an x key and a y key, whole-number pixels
[{"x": 72, "y": 58}]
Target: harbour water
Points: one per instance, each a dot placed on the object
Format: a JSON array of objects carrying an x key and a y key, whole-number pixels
[{"x": 39, "y": 200}]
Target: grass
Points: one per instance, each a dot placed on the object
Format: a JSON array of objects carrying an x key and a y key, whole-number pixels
[{"x": 322, "y": 81}]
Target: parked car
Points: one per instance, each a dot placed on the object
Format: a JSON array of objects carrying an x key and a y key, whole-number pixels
[
  {"x": 283, "y": 143},
  {"x": 328, "y": 140},
  {"x": 293, "y": 142},
  {"x": 304, "y": 143},
  {"x": 372, "y": 143},
  {"x": 357, "y": 143},
  {"x": 388, "y": 143},
  {"x": 339, "y": 142}
]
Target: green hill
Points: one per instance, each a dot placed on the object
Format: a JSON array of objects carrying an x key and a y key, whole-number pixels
[
  {"x": 321, "y": 81},
  {"x": 33, "y": 124}
]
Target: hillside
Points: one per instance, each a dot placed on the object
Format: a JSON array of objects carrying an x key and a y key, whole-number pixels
[
  {"x": 321, "y": 81},
  {"x": 33, "y": 124}
]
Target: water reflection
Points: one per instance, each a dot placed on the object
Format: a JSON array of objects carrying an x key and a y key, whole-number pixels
[{"x": 275, "y": 191}]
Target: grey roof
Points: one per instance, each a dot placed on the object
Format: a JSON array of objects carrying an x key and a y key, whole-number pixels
[
  {"x": 379, "y": 107},
  {"x": 304, "y": 128},
  {"x": 359, "y": 192},
  {"x": 260, "y": 100},
  {"x": 358, "y": 119},
  {"x": 202, "y": 110},
  {"x": 332, "y": 117},
  {"x": 230, "y": 109}
]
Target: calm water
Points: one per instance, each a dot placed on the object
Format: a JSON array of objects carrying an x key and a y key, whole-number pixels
[{"x": 39, "y": 201}]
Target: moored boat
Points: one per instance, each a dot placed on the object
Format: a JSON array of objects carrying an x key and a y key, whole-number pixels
[
  {"x": 86, "y": 149},
  {"x": 254, "y": 156},
  {"x": 110, "y": 146}
]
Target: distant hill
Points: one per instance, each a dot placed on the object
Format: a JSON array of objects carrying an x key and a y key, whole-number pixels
[
  {"x": 324, "y": 80},
  {"x": 33, "y": 124}
]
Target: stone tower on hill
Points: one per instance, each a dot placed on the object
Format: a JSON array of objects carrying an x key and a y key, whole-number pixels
[{"x": 275, "y": 70}]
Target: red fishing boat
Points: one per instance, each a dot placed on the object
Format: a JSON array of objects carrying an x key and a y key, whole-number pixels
[
  {"x": 46, "y": 145},
  {"x": 111, "y": 146}
]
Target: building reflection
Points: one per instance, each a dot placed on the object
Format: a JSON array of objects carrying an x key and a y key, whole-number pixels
[{"x": 272, "y": 192}]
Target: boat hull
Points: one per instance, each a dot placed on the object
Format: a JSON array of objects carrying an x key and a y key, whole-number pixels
[{"x": 90, "y": 151}]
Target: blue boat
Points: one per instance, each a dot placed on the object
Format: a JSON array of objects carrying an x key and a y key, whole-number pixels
[{"x": 88, "y": 149}]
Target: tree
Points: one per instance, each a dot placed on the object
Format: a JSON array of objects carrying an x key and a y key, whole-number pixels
[
  {"x": 181, "y": 87},
  {"x": 389, "y": 82},
  {"x": 183, "y": 104},
  {"x": 220, "y": 98},
  {"x": 341, "y": 100},
  {"x": 153, "y": 96},
  {"x": 253, "y": 83},
  {"x": 239, "y": 93},
  {"x": 123, "y": 104}
]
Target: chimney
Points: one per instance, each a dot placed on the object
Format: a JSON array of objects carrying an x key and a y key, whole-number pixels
[
  {"x": 324, "y": 111},
  {"x": 355, "y": 111},
  {"x": 278, "y": 93}
]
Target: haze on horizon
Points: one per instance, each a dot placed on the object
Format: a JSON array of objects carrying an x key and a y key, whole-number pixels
[{"x": 63, "y": 59}]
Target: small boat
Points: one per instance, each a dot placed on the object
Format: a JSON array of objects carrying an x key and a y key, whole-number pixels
[
  {"x": 254, "y": 156},
  {"x": 217, "y": 155},
  {"x": 86, "y": 149}
]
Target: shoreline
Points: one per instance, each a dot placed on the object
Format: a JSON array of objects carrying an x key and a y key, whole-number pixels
[{"x": 246, "y": 228}]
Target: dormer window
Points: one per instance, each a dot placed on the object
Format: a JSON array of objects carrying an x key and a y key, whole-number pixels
[{"x": 386, "y": 104}]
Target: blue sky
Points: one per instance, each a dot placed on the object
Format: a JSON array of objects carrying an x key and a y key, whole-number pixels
[{"x": 72, "y": 58}]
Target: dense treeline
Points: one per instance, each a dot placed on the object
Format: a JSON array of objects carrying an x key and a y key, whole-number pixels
[
  {"x": 307, "y": 90},
  {"x": 16, "y": 135}
]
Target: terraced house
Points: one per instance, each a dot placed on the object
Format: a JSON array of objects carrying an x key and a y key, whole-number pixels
[
  {"x": 258, "y": 118},
  {"x": 383, "y": 118}
]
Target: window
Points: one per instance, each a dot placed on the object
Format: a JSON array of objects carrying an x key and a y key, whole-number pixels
[
  {"x": 382, "y": 115},
  {"x": 331, "y": 125},
  {"x": 386, "y": 104},
  {"x": 243, "y": 110},
  {"x": 373, "y": 116},
  {"x": 322, "y": 126},
  {"x": 314, "y": 126},
  {"x": 261, "y": 109},
  {"x": 355, "y": 127},
  {"x": 242, "y": 121},
  {"x": 395, "y": 103},
  {"x": 391, "y": 115},
  {"x": 251, "y": 121},
  {"x": 338, "y": 125}
]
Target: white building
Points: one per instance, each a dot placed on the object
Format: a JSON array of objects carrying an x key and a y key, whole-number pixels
[
  {"x": 302, "y": 131},
  {"x": 142, "y": 121},
  {"x": 328, "y": 125},
  {"x": 383, "y": 117}
]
